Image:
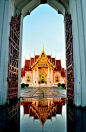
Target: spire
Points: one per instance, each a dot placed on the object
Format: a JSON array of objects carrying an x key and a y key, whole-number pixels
[
  {"x": 51, "y": 53},
  {"x": 61, "y": 58},
  {"x": 24, "y": 58},
  {"x": 34, "y": 53},
  {"x": 43, "y": 48},
  {"x": 30, "y": 55}
]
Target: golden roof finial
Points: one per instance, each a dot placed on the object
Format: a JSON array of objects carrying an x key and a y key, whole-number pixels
[
  {"x": 30, "y": 55},
  {"x": 55, "y": 56},
  {"x": 51, "y": 53},
  {"x": 34, "y": 53},
  {"x": 24, "y": 58},
  {"x": 43, "y": 48}
]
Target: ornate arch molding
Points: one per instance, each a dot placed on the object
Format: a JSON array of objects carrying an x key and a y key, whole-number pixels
[
  {"x": 64, "y": 3},
  {"x": 27, "y": 6}
]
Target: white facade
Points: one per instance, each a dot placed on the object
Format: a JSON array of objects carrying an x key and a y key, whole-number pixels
[{"x": 76, "y": 8}]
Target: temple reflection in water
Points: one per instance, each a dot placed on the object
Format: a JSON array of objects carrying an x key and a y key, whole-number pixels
[
  {"x": 43, "y": 109},
  {"x": 26, "y": 117}
]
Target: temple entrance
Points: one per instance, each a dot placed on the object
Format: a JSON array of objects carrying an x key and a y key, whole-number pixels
[
  {"x": 11, "y": 45},
  {"x": 42, "y": 78}
]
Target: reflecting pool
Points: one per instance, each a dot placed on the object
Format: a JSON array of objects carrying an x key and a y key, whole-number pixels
[
  {"x": 45, "y": 115},
  {"x": 36, "y": 111}
]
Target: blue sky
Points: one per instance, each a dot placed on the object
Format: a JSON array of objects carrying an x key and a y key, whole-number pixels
[{"x": 43, "y": 27}]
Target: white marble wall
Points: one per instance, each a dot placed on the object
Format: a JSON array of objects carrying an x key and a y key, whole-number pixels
[
  {"x": 6, "y": 11},
  {"x": 77, "y": 8}
]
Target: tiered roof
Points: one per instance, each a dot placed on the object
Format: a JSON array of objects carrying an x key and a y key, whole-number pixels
[{"x": 29, "y": 64}]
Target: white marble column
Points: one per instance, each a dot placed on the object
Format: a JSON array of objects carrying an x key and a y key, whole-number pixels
[
  {"x": 37, "y": 72},
  {"x": 37, "y": 76},
  {"x": 79, "y": 59},
  {"x": 25, "y": 76},
  {"x": 33, "y": 77},
  {"x": 48, "y": 74},
  {"x": 51, "y": 75},
  {"x": 82, "y": 51}
]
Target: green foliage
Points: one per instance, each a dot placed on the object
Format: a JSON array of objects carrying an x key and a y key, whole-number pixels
[
  {"x": 59, "y": 84},
  {"x": 27, "y": 85},
  {"x": 61, "y": 88},
  {"x": 24, "y": 88},
  {"x": 63, "y": 85},
  {"x": 22, "y": 85}
]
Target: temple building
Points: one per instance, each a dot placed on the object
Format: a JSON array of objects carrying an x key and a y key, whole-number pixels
[{"x": 43, "y": 70}]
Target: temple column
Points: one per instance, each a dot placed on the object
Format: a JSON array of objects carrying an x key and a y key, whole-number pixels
[
  {"x": 33, "y": 77},
  {"x": 48, "y": 74},
  {"x": 51, "y": 76},
  {"x": 25, "y": 76},
  {"x": 37, "y": 76}
]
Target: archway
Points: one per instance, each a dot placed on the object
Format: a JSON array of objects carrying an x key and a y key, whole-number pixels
[
  {"x": 64, "y": 7},
  {"x": 69, "y": 52}
]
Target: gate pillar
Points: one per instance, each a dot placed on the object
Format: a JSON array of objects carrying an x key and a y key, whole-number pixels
[
  {"x": 13, "y": 58},
  {"x": 69, "y": 57}
]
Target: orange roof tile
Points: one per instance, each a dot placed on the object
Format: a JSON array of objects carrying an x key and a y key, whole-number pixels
[
  {"x": 32, "y": 61},
  {"x": 36, "y": 57},
  {"x": 49, "y": 57},
  {"x": 53, "y": 61}
]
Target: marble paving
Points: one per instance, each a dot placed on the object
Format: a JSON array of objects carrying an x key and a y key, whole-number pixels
[{"x": 42, "y": 92}]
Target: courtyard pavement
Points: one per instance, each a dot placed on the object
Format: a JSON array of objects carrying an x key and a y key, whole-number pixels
[{"x": 43, "y": 92}]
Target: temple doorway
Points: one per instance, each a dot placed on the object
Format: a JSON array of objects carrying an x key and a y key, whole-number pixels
[{"x": 42, "y": 77}]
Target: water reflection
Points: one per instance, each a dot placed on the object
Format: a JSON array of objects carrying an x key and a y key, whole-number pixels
[
  {"x": 47, "y": 114},
  {"x": 37, "y": 115}
]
